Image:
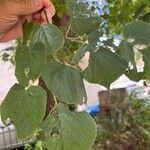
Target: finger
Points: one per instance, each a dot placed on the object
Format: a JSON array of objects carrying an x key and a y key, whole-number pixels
[
  {"x": 48, "y": 3},
  {"x": 50, "y": 21},
  {"x": 14, "y": 32},
  {"x": 50, "y": 10},
  {"x": 47, "y": 14},
  {"x": 37, "y": 16},
  {"x": 26, "y": 7},
  {"x": 29, "y": 18},
  {"x": 37, "y": 21},
  {"x": 41, "y": 21},
  {"x": 44, "y": 16}
]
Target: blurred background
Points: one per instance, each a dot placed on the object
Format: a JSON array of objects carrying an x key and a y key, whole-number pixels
[{"x": 123, "y": 113}]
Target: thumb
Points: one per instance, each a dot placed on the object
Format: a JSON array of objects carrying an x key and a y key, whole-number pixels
[{"x": 26, "y": 7}]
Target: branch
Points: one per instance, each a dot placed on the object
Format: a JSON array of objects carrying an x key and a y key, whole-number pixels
[{"x": 51, "y": 100}]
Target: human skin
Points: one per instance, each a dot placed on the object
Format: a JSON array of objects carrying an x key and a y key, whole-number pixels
[{"x": 13, "y": 13}]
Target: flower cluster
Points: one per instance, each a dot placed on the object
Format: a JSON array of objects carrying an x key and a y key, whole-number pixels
[{"x": 99, "y": 6}]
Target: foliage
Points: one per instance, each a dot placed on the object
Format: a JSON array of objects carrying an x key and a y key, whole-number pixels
[
  {"x": 126, "y": 127},
  {"x": 47, "y": 53}
]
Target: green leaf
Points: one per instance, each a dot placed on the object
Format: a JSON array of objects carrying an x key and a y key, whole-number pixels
[
  {"x": 139, "y": 31},
  {"x": 110, "y": 43},
  {"x": 126, "y": 52},
  {"x": 48, "y": 124},
  {"x": 146, "y": 59},
  {"x": 134, "y": 75},
  {"x": 82, "y": 50},
  {"x": 75, "y": 8},
  {"x": 83, "y": 21},
  {"x": 65, "y": 82},
  {"x": 94, "y": 37},
  {"x": 84, "y": 25},
  {"x": 50, "y": 35},
  {"x": 71, "y": 7},
  {"x": 25, "y": 107},
  {"x": 73, "y": 131},
  {"x": 104, "y": 67},
  {"x": 27, "y": 31},
  {"x": 80, "y": 53},
  {"x": 22, "y": 64},
  {"x": 52, "y": 129},
  {"x": 29, "y": 62},
  {"x": 38, "y": 58}
]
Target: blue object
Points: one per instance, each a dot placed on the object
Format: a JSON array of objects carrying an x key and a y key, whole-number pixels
[{"x": 93, "y": 109}]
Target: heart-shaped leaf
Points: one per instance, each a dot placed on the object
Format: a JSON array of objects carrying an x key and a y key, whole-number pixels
[
  {"x": 104, "y": 67},
  {"x": 29, "y": 62},
  {"x": 65, "y": 82},
  {"x": 66, "y": 128},
  {"x": 25, "y": 107},
  {"x": 50, "y": 35}
]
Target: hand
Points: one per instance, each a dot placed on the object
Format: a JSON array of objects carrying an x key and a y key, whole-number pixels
[{"x": 13, "y": 13}]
